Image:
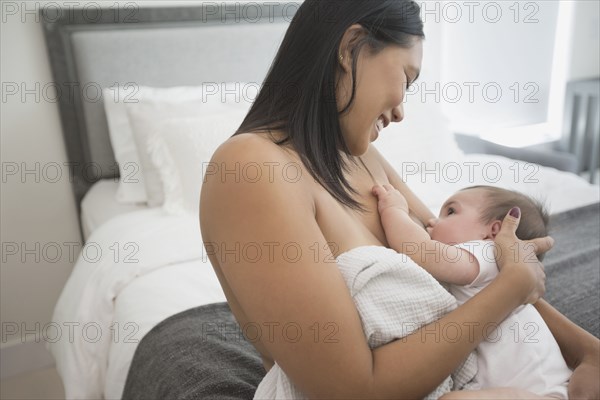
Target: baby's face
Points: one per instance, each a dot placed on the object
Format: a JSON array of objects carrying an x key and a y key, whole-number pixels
[{"x": 459, "y": 219}]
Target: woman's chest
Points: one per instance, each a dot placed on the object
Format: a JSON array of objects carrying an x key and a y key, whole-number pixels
[{"x": 345, "y": 228}]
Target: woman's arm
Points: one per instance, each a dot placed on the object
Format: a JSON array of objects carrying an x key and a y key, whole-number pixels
[
  {"x": 580, "y": 349},
  {"x": 323, "y": 348}
]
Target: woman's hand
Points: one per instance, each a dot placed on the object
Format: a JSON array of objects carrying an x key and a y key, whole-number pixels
[{"x": 517, "y": 258}]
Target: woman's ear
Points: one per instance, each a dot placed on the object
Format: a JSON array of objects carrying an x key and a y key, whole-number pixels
[
  {"x": 495, "y": 228},
  {"x": 351, "y": 37}
]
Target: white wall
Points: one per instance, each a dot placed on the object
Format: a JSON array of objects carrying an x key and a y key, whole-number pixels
[
  {"x": 34, "y": 211},
  {"x": 37, "y": 214}
]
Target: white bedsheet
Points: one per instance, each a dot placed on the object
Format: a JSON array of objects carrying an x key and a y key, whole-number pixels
[
  {"x": 435, "y": 182},
  {"x": 99, "y": 205},
  {"x": 121, "y": 251},
  {"x": 171, "y": 275},
  {"x": 149, "y": 300}
]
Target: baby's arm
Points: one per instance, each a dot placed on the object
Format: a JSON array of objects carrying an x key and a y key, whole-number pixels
[{"x": 446, "y": 263}]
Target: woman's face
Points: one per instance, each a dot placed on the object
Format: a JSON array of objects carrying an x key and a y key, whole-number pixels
[{"x": 380, "y": 89}]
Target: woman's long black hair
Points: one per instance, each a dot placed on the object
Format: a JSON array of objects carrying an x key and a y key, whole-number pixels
[{"x": 298, "y": 95}]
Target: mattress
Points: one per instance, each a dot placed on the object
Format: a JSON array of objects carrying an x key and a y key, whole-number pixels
[
  {"x": 171, "y": 273},
  {"x": 99, "y": 205}
]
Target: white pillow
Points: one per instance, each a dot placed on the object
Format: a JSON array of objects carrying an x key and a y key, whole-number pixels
[
  {"x": 146, "y": 120},
  {"x": 132, "y": 186},
  {"x": 182, "y": 153}
]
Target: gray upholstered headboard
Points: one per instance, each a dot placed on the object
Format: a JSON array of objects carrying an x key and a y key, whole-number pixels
[{"x": 91, "y": 49}]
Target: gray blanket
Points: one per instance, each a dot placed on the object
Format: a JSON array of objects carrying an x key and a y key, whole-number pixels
[
  {"x": 196, "y": 354},
  {"x": 201, "y": 353},
  {"x": 573, "y": 266}
]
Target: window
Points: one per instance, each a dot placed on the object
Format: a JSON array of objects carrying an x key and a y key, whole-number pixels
[{"x": 503, "y": 68}]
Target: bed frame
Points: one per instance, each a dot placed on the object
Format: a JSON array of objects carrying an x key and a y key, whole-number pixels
[
  {"x": 93, "y": 48},
  {"x": 581, "y": 126}
]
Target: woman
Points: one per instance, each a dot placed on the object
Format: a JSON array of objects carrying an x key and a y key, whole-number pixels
[{"x": 339, "y": 77}]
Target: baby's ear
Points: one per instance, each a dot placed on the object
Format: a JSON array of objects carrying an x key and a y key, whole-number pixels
[{"x": 495, "y": 228}]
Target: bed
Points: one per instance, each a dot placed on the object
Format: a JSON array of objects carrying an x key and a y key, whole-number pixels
[{"x": 143, "y": 273}]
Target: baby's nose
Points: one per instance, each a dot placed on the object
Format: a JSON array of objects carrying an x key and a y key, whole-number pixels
[{"x": 432, "y": 222}]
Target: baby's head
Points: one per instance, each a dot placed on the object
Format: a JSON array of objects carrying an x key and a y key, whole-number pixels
[{"x": 476, "y": 213}]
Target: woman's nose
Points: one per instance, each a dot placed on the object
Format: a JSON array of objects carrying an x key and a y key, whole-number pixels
[{"x": 398, "y": 113}]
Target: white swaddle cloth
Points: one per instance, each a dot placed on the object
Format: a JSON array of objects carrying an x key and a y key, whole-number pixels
[{"x": 394, "y": 297}]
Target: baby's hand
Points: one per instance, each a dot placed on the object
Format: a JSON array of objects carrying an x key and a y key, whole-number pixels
[{"x": 389, "y": 197}]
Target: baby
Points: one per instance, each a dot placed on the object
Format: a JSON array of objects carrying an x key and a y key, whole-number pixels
[{"x": 458, "y": 249}]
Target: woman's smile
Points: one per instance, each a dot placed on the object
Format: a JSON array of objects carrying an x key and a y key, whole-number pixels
[{"x": 380, "y": 124}]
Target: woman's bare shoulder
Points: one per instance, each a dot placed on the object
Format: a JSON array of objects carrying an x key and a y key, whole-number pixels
[
  {"x": 256, "y": 146},
  {"x": 249, "y": 171}
]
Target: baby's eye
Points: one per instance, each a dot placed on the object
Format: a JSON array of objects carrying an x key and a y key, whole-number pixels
[{"x": 451, "y": 210}]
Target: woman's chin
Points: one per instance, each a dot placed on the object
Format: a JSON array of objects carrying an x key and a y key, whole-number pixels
[
  {"x": 374, "y": 134},
  {"x": 358, "y": 149},
  {"x": 374, "y": 137}
]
